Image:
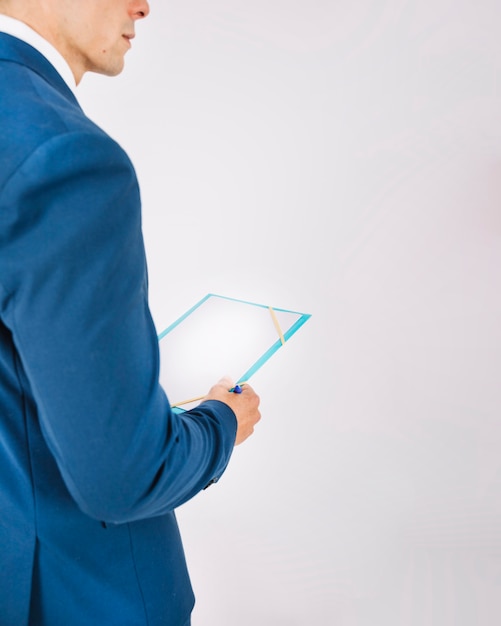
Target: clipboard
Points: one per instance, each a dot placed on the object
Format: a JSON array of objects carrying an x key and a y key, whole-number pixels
[{"x": 220, "y": 336}]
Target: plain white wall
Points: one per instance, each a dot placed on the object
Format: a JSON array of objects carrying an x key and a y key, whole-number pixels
[{"x": 343, "y": 159}]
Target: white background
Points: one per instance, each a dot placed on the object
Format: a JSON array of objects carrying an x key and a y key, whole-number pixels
[{"x": 341, "y": 158}]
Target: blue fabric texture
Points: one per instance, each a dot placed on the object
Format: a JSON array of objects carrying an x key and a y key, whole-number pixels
[{"x": 93, "y": 462}]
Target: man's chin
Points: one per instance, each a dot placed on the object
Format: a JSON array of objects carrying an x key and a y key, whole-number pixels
[
  {"x": 114, "y": 71},
  {"x": 109, "y": 69}
]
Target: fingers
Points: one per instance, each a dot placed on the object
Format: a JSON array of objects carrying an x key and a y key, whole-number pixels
[{"x": 244, "y": 403}]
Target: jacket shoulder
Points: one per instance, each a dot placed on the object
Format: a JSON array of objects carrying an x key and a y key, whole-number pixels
[{"x": 33, "y": 111}]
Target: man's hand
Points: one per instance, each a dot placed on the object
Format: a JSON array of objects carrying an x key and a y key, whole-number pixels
[{"x": 244, "y": 405}]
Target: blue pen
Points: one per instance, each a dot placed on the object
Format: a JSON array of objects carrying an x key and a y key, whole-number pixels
[{"x": 236, "y": 389}]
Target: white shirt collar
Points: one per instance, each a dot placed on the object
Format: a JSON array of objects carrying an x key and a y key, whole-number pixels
[{"x": 22, "y": 31}]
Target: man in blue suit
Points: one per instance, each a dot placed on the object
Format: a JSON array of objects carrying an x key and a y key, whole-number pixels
[{"x": 92, "y": 460}]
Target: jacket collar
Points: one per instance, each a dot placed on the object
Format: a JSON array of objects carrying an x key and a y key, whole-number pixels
[{"x": 16, "y": 51}]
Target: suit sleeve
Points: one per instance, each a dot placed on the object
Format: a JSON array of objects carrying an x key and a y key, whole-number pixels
[{"x": 78, "y": 311}]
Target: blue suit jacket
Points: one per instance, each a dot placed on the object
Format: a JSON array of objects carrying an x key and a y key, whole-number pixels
[{"x": 92, "y": 460}]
